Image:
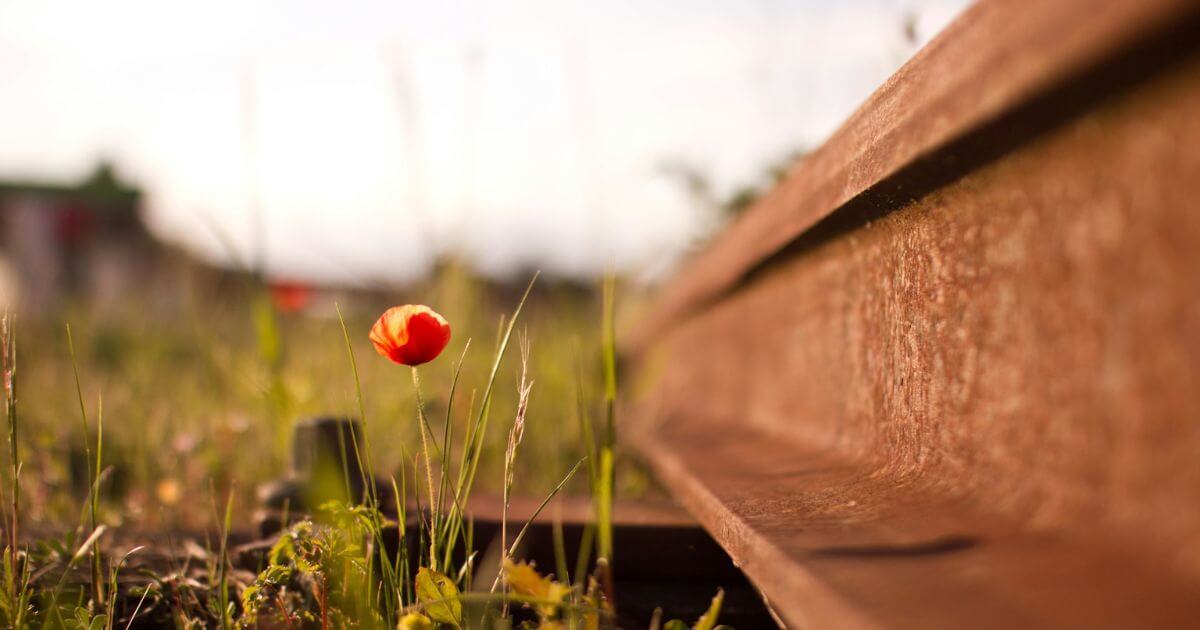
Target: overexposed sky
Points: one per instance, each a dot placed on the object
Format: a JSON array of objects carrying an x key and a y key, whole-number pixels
[{"x": 375, "y": 134}]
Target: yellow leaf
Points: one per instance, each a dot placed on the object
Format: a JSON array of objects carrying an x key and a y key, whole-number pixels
[
  {"x": 415, "y": 621},
  {"x": 524, "y": 580}
]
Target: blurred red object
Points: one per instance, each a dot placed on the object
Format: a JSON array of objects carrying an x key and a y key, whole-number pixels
[
  {"x": 73, "y": 224},
  {"x": 289, "y": 297}
]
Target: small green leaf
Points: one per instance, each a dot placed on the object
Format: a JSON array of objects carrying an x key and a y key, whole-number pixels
[
  {"x": 708, "y": 620},
  {"x": 675, "y": 624},
  {"x": 440, "y": 596}
]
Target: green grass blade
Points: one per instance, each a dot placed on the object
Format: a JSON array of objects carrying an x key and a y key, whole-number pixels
[
  {"x": 93, "y": 476},
  {"x": 606, "y": 479},
  {"x": 521, "y": 534},
  {"x": 476, "y": 440},
  {"x": 361, "y": 453}
]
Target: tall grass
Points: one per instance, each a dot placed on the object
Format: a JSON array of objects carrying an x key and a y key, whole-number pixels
[
  {"x": 606, "y": 476},
  {"x": 336, "y": 566},
  {"x": 17, "y": 594},
  {"x": 184, "y": 389},
  {"x": 515, "y": 435},
  {"x": 445, "y": 528},
  {"x": 97, "y": 580},
  {"x": 224, "y": 608},
  {"x": 8, "y": 340}
]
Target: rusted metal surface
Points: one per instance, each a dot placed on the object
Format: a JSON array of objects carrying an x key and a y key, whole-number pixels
[
  {"x": 977, "y": 405},
  {"x": 999, "y": 56}
]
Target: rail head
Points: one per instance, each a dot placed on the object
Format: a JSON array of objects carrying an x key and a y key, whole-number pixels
[
  {"x": 998, "y": 76},
  {"x": 944, "y": 374}
]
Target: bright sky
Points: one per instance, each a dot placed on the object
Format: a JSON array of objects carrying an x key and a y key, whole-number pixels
[{"x": 378, "y": 133}]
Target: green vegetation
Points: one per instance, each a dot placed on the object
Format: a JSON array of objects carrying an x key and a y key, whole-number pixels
[
  {"x": 191, "y": 393},
  {"x": 197, "y": 409}
]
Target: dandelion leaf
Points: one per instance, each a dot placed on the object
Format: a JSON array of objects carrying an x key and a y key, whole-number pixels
[
  {"x": 524, "y": 580},
  {"x": 440, "y": 596}
]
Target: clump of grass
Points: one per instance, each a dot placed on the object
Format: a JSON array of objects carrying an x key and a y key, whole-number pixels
[
  {"x": 190, "y": 385},
  {"x": 351, "y": 562},
  {"x": 353, "y": 536}
]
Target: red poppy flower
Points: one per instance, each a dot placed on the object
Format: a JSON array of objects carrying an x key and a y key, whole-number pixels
[{"x": 411, "y": 334}]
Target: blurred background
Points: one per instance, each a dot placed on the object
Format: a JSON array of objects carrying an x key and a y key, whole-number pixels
[
  {"x": 193, "y": 188},
  {"x": 362, "y": 143}
]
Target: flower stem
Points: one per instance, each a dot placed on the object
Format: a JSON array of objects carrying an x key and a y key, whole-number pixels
[{"x": 433, "y": 507}]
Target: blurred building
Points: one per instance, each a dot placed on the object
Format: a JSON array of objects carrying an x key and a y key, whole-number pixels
[
  {"x": 86, "y": 243},
  {"x": 60, "y": 240}
]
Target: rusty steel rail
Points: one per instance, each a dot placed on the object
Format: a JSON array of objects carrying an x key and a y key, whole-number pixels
[
  {"x": 1003, "y": 57},
  {"x": 947, "y": 374}
]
